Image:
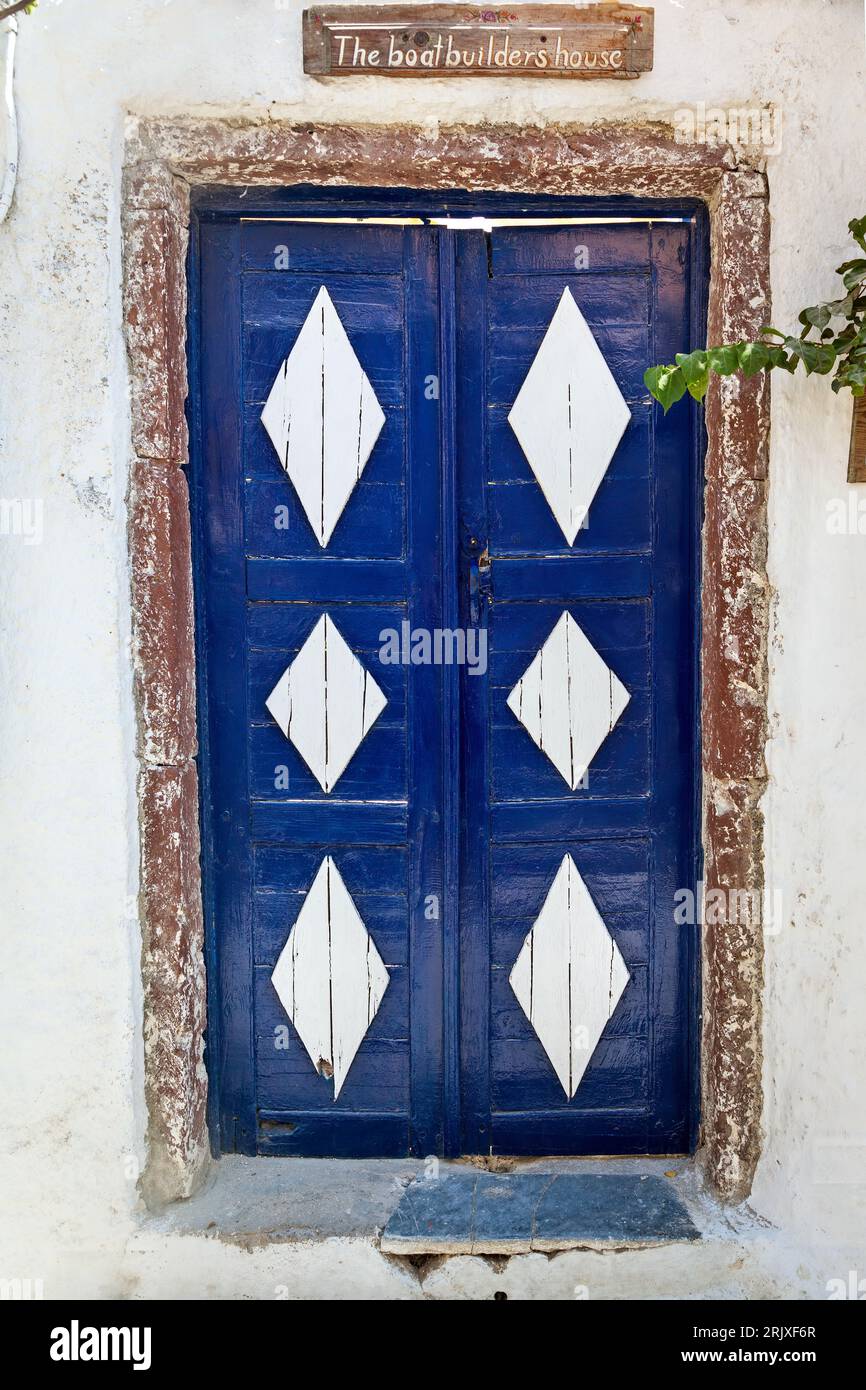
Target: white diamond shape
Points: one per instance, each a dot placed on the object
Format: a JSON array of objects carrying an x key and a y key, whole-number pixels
[
  {"x": 323, "y": 417},
  {"x": 569, "y": 416},
  {"x": 568, "y": 700},
  {"x": 326, "y": 703},
  {"x": 569, "y": 976},
  {"x": 330, "y": 978}
]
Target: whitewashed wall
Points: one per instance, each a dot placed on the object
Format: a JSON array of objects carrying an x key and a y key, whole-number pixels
[{"x": 71, "y": 1050}]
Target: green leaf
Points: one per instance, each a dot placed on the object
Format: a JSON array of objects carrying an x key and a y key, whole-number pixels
[
  {"x": 797, "y": 348},
  {"x": 694, "y": 367},
  {"x": 839, "y": 349},
  {"x": 723, "y": 360},
  {"x": 666, "y": 384},
  {"x": 754, "y": 357},
  {"x": 698, "y": 389},
  {"x": 779, "y": 358},
  {"x": 852, "y": 273},
  {"x": 816, "y": 317},
  {"x": 857, "y": 228},
  {"x": 816, "y": 357},
  {"x": 651, "y": 380},
  {"x": 846, "y": 337},
  {"x": 826, "y": 359},
  {"x": 853, "y": 375},
  {"x": 842, "y": 308},
  {"x": 672, "y": 387}
]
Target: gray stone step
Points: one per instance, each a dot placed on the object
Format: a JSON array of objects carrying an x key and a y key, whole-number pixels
[{"x": 477, "y": 1213}]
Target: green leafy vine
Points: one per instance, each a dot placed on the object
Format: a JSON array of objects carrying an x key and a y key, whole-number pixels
[{"x": 839, "y": 344}]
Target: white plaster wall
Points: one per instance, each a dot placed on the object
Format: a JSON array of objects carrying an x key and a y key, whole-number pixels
[{"x": 70, "y": 1007}]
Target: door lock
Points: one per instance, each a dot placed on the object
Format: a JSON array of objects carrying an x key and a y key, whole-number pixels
[{"x": 479, "y": 585}]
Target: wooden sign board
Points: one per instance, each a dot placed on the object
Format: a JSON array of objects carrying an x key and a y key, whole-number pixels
[
  {"x": 857, "y": 453},
  {"x": 586, "y": 41}
]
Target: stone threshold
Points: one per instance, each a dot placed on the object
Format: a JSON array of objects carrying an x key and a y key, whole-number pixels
[
  {"x": 482, "y": 1213},
  {"x": 259, "y": 1202}
]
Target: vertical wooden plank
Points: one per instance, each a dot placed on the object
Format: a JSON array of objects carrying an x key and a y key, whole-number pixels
[
  {"x": 450, "y": 694},
  {"x": 351, "y": 418},
  {"x": 358, "y": 977},
  {"x": 216, "y": 496},
  {"x": 353, "y": 702},
  {"x": 597, "y": 974},
  {"x": 550, "y": 1003},
  {"x": 471, "y": 288},
  {"x": 308, "y": 709},
  {"x": 857, "y": 451},
  {"x": 555, "y": 700},
  {"x": 426, "y": 815},
  {"x": 677, "y": 503},
  {"x": 305, "y": 971}
]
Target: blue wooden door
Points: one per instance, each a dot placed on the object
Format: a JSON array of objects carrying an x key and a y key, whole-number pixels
[
  {"x": 439, "y": 899},
  {"x": 321, "y": 795},
  {"x": 578, "y": 989}
]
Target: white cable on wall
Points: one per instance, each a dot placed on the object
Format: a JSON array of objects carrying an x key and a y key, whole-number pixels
[{"x": 10, "y": 172}]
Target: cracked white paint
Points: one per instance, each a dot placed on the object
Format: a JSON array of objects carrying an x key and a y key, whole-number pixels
[
  {"x": 323, "y": 417},
  {"x": 329, "y": 976},
  {"x": 569, "y": 976},
  {"x": 326, "y": 703},
  {"x": 568, "y": 700},
  {"x": 569, "y": 416}
]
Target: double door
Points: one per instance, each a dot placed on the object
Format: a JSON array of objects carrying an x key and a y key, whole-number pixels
[{"x": 447, "y": 636}]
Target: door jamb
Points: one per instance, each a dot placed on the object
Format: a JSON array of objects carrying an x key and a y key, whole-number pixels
[
  {"x": 164, "y": 160},
  {"x": 450, "y": 911}
]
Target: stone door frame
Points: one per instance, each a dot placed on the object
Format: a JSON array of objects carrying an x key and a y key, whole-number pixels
[{"x": 164, "y": 159}]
